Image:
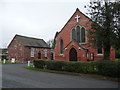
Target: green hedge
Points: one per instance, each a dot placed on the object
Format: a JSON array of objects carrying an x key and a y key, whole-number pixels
[
  {"x": 101, "y": 67},
  {"x": 55, "y": 65},
  {"x": 39, "y": 63}
]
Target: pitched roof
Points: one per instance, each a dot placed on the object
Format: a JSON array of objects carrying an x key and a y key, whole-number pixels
[
  {"x": 32, "y": 42},
  {"x": 81, "y": 46},
  {"x": 72, "y": 16}
]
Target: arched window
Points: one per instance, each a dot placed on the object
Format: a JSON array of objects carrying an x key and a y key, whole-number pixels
[
  {"x": 82, "y": 34},
  {"x": 78, "y": 34},
  {"x": 61, "y": 46},
  {"x": 73, "y": 35}
]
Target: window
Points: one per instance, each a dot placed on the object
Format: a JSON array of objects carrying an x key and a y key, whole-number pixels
[
  {"x": 15, "y": 46},
  {"x": 45, "y": 52},
  {"x": 82, "y": 34},
  {"x": 73, "y": 35},
  {"x": 78, "y": 34},
  {"x": 32, "y": 52},
  {"x": 61, "y": 46},
  {"x": 99, "y": 50}
]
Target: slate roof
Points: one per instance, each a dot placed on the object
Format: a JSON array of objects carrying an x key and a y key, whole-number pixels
[{"x": 32, "y": 42}]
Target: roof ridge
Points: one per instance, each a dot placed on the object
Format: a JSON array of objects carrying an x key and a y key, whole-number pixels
[
  {"x": 77, "y": 9},
  {"x": 28, "y": 37},
  {"x": 32, "y": 42}
]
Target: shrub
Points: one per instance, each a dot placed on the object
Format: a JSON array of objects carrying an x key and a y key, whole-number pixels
[
  {"x": 101, "y": 67},
  {"x": 55, "y": 65},
  {"x": 70, "y": 66},
  {"x": 109, "y": 68},
  {"x": 39, "y": 63}
]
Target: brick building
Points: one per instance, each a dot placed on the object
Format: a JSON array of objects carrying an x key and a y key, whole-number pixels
[
  {"x": 71, "y": 41},
  {"x": 23, "y": 48},
  {"x": 3, "y": 53}
]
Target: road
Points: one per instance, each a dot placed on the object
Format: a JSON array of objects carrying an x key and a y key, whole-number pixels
[{"x": 16, "y": 76}]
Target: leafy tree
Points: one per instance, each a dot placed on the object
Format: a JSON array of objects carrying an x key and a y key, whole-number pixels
[
  {"x": 54, "y": 42},
  {"x": 105, "y": 26},
  {"x": 50, "y": 42}
]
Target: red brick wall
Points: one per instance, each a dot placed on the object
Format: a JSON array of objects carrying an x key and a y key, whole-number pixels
[
  {"x": 16, "y": 50},
  {"x": 22, "y": 54},
  {"x": 65, "y": 35},
  {"x": 37, "y": 50}
]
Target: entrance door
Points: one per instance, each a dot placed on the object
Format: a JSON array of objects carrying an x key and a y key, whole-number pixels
[
  {"x": 73, "y": 55},
  {"x": 39, "y": 55}
]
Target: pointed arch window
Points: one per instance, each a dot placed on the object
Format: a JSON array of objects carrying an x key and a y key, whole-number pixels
[
  {"x": 82, "y": 34},
  {"x": 61, "y": 46},
  {"x": 73, "y": 35},
  {"x": 78, "y": 34}
]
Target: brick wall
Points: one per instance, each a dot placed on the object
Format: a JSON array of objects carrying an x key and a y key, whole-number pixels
[
  {"x": 65, "y": 35},
  {"x": 17, "y": 50}
]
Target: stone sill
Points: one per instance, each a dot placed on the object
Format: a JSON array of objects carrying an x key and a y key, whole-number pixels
[
  {"x": 61, "y": 54},
  {"x": 99, "y": 54}
]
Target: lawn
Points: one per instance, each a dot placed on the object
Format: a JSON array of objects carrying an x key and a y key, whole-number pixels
[
  {"x": 10, "y": 63},
  {"x": 118, "y": 59}
]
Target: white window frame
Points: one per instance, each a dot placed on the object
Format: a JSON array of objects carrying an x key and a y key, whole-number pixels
[
  {"x": 45, "y": 53},
  {"x": 32, "y": 52},
  {"x": 99, "y": 54}
]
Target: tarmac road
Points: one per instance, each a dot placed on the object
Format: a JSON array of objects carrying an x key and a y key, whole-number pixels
[{"x": 16, "y": 76}]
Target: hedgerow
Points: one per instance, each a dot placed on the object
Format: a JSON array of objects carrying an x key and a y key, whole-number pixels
[{"x": 101, "y": 67}]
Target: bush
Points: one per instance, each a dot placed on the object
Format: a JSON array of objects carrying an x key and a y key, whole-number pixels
[
  {"x": 39, "y": 63},
  {"x": 101, "y": 67},
  {"x": 55, "y": 65},
  {"x": 70, "y": 66},
  {"x": 109, "y": 68}
]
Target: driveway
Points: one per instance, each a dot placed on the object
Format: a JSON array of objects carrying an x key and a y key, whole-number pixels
[{"x": 16, "y": 76}]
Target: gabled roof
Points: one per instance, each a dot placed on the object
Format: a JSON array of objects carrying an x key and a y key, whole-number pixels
[
  {"x": 32, "y": 42},
  {"x": 81, "y": 46},
  {"x": 72, "y": 16}
]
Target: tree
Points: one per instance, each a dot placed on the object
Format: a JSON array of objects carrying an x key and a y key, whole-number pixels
[
  {"x": 50, "y": 42},
  {"x": 104, "y": 31}
]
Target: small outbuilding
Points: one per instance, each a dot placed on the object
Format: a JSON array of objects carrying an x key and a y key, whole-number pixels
[{"x": 24, "y": 49}]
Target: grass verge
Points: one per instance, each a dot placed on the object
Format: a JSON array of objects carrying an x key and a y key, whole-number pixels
[
  {"x": 73, "y": 73},
  {"x": 10, "y": 63},
  {"x": 118, "y": 59}
]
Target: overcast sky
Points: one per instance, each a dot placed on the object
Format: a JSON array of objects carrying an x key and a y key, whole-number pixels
[{"x": 35, "y": 18}]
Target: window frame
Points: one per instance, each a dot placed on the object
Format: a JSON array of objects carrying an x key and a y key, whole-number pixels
[
  {"x": 61, "y": 48},
  {"x": 98, "y": 51},
  {"x": 81, "y": 34},
  {"x": 75, "y": 28},
  {"x": 32, "y": 52}
]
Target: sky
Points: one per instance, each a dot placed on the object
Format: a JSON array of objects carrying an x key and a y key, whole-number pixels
[{"x": 35, "y": 18}]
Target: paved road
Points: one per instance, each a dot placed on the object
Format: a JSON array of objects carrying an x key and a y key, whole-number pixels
[{"x": 16, "y": 76}]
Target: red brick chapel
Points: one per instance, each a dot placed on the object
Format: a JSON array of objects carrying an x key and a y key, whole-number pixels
[
  {"x": 24, "y": 49},
  {"x": 71, "y": 41}
]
